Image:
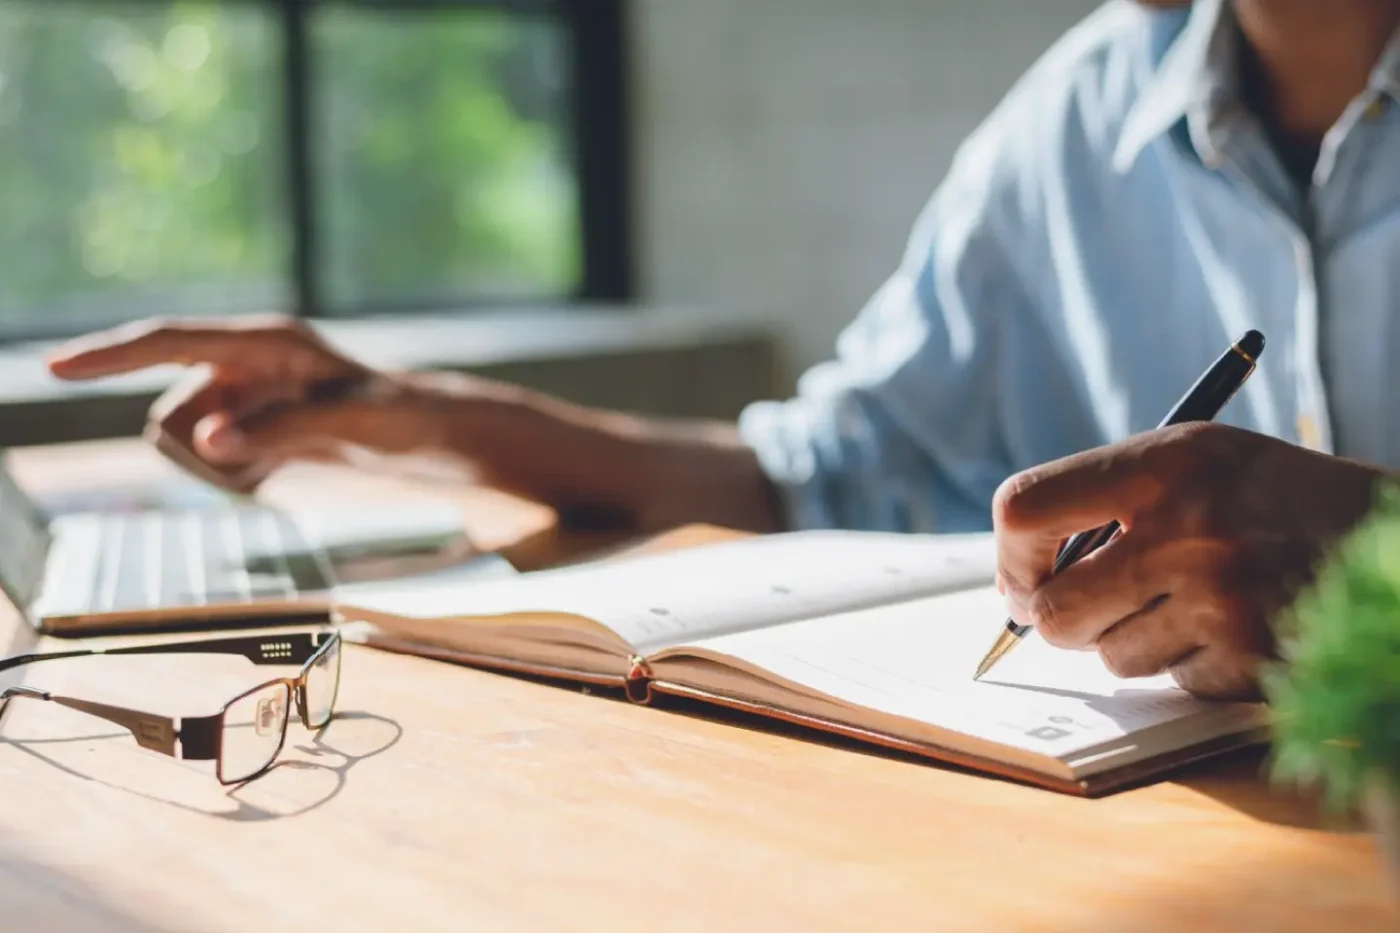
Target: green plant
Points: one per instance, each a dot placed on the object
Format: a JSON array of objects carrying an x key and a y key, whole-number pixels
[
  {"x": 1336, "y": 693},
  {"x": 141, "y": 150}
]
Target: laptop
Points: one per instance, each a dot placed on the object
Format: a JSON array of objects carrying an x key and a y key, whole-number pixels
[{"x": 99, "y": 572}]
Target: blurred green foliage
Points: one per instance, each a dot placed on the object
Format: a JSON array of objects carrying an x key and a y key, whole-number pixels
[
  {"x": 142, "y": 159},
  {"x": 435, "y": 181},
  {"x": 1336, "y": 694}
]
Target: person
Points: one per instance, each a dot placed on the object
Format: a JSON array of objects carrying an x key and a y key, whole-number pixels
[{"x": 1165, "y": 177}]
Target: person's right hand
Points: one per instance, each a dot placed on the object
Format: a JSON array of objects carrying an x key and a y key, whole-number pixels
[
  {"x": 263, "y": 390},
  {"x": 1221, "y": 528}
]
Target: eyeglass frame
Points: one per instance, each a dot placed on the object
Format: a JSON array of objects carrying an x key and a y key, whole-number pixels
[{"x": 199, "y": 738}]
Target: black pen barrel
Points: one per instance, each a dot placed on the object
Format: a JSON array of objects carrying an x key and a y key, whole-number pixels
[{"x": 1204, "y": 400}]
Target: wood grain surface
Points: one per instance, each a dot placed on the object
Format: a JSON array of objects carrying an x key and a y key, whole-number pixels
[{"x": 444, "y": 798}]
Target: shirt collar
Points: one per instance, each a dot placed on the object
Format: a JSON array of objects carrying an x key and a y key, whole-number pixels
[
  {"x": 1386, "y": 77},
  {"x": 1195, "y": 78}
]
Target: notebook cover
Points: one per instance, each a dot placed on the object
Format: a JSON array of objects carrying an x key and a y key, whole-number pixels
[
  {"x": 1090, "y": 786},
  {"x": 642, "y": 689},
  {"x": 492, "y": 662}
]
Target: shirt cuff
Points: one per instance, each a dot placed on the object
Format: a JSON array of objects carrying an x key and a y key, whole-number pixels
[{"x": 780, "y": 438}]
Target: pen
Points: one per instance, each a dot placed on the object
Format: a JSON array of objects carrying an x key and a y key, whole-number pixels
[{"x": 1202, "y": 403}]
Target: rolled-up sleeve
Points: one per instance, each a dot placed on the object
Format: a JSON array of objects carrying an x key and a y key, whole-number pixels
[{"x": 901, "y": 430}]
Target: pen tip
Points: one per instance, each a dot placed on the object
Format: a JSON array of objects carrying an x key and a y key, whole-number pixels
[{"x": 1005, "y": 643}]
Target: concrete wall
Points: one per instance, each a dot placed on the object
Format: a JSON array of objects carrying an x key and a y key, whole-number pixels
[{"x": 784, "y": 147}]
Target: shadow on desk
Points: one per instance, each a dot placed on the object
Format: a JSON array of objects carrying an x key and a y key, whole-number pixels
[
  {"x": 1237, "y": 780},
  {"x": 39, "y": 897},
  {"x": 312, "y": 771}
]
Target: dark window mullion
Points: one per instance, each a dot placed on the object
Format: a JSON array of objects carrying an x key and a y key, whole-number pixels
[
  {"x": 301, "y": 190},
  {"x": 597, "y": 35}
]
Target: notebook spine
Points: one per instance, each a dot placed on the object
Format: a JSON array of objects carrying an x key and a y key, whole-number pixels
[{"x": 638, "y": 680}]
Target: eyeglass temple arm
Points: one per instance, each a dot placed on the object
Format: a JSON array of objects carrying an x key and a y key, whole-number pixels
[
  {"x": 198, "y": 735},
  {"x": 292, "y": 648},
  {"x": 289, "y": 648}
]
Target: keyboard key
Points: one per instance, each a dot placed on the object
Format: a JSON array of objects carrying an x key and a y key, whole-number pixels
[
  {"x": 176, "y": 584},
  {"x": 190, "y": 557},
  {"x": 127, "y": 556}
]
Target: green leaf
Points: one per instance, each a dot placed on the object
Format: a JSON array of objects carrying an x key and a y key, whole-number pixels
[{"x": 1336, "y": 692}]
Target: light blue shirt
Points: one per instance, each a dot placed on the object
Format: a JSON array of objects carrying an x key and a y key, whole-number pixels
[{"x": 1111, "y": 228}]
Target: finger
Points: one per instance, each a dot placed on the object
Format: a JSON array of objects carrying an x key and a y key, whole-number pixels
[
  {"x": 295, "y": 430},
  {"x": 1035, "y": 510},
  {"x": 1137, "y": 568},
  {"x": 1162, "y": 635},
  {"x": 154, "y": 342},
  {"x": 1074, "y": 607},
  {"x": 1216, "y": 673},
  {"x": 201, "y": 398},
  {"x": 1084, "y": 490},
  {"x": 240, "y": 478},
  {"x": 191, "y": 398},
  {"x": 217, "y": 438}
]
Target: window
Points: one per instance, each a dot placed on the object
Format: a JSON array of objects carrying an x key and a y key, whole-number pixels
[{"x": 324, "y": 157}]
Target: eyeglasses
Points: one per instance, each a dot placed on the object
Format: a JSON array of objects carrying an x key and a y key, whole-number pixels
[{"x": 245, "y": 737}]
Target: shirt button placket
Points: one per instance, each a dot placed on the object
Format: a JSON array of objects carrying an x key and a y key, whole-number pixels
[{"x": 1311, "y": 426}]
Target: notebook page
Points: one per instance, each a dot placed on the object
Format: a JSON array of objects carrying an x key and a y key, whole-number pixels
[
  {"x": 457, "y": 578},
  {"x": 916, "y": 660},
  {"x": 659, "y": 600}
]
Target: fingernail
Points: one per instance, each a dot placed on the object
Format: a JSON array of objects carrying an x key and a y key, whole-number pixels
[{"x": 227, "y": 441}]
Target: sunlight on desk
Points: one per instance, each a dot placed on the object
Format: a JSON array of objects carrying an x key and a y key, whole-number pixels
[{"x": 443, "y": 792}]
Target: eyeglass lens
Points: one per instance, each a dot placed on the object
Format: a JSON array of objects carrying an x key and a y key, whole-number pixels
[
  {"x": 322, "y": 684},
  {"x": 253, "y": 728}
]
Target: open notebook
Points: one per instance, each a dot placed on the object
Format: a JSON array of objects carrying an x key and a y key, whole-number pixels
[{"x": 869, "y": 635}]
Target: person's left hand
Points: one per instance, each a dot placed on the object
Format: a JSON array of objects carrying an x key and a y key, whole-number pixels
[{"x": 1221, "y": 527}]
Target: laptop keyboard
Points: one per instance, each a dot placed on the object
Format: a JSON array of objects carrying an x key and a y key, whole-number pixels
[{"x": 125, "y": 562}]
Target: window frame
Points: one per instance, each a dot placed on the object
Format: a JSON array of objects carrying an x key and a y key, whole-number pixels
[{"x": 597, "y": 117}]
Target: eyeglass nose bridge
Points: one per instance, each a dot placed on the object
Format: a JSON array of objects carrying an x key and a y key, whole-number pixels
[
  {"x": 299, "y": 698},
  {"x": 9, "y": 693},
  {"x": 268, "y": 717},
  {"x": 22, "y": 691}
]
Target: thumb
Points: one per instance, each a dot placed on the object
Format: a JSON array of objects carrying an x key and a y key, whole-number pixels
[{"x": 308, "y": 429}]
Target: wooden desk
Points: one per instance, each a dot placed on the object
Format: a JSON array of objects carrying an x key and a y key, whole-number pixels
[{"x": 450, "y": 799}]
